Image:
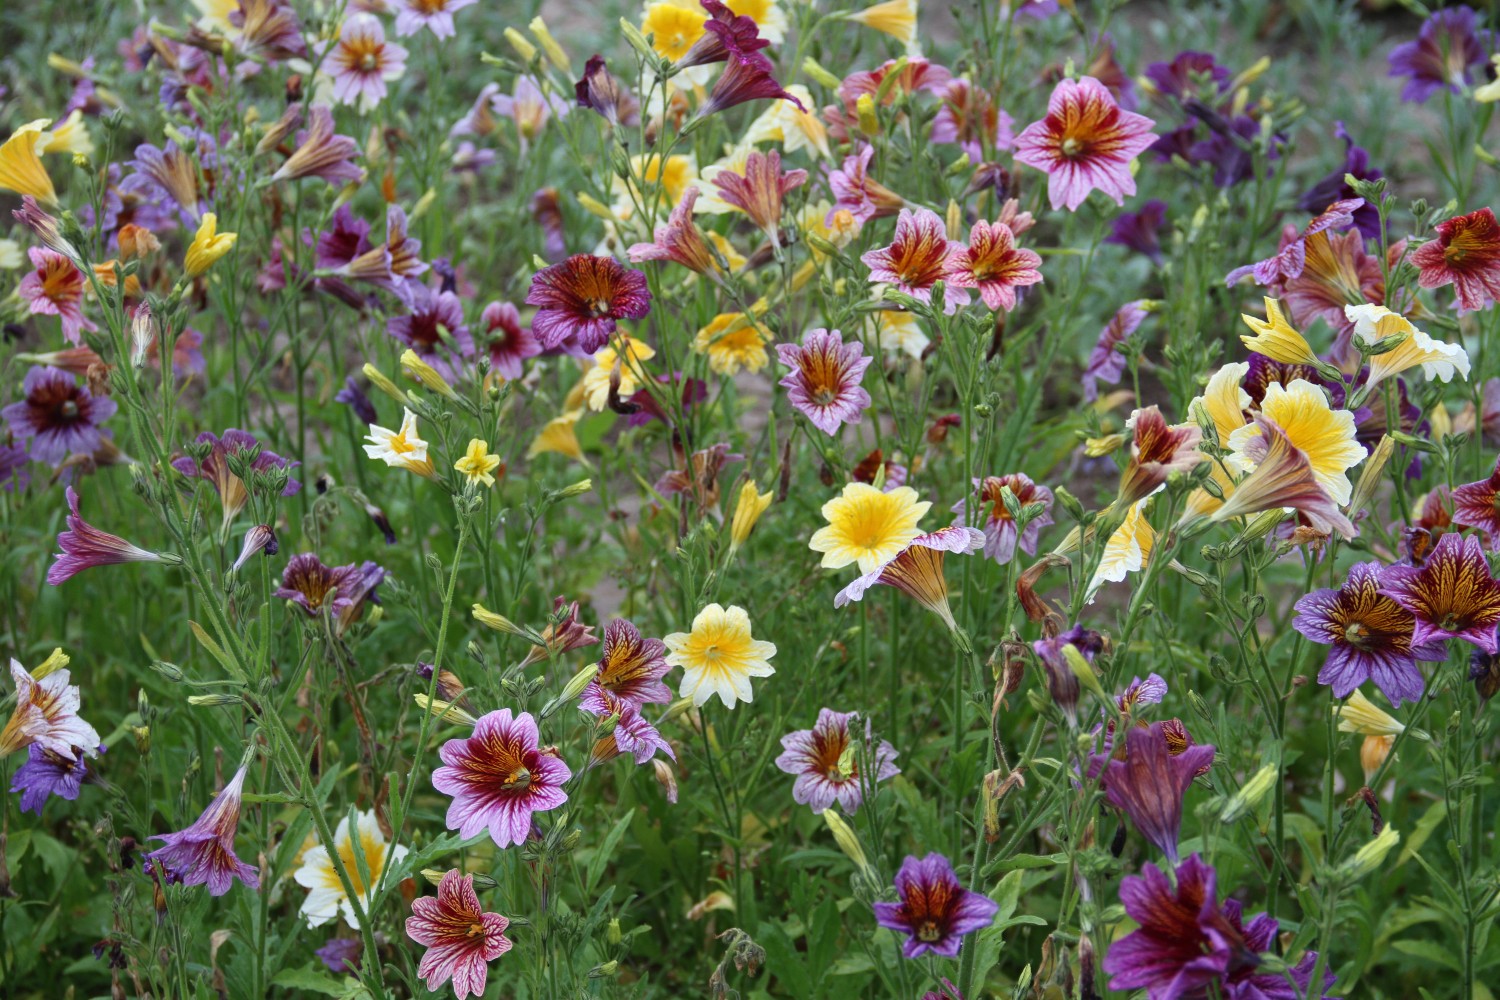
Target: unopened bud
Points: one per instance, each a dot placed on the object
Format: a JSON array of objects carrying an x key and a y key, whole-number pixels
[
  {"x": 1371, "y": 856},
  {"x": 1250, "y": 794}
]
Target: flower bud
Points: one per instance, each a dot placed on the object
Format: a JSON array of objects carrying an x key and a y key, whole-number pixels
[
  {"x": 555, "y": 53},
  {"x": 55, "y": 661},
  {"x": 819, "y": 75},
  {"x": 1250, "y": 794},
  {"x": 847, "y": 839},
  {"x": 420, "y": 371},
  {"x": 1371, "y": 856},
  {"x": 523, "y": 48},
  {"x": 443, "y": 711}
]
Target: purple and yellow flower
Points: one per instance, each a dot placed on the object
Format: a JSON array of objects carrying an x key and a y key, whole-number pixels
[
  {"x": 203, "y": 854},
  {"x": 831, "y": 766},
  {"x": 1444, "y": 55},
  {"x": 1001, "y": 539},
  {"x": 85, "y": 547},
  {"x": 437, "y": 17},
  {"x": 498, "y": 777},
  {"x": 631, "y": 666},
  {"x": 994, "y": 266},
  {"x": 917, "y": 570},
  {"x": 935, "y": 911},
  {"x": 1085, "y": 142},
  {"x": 308, "y": 583},
  {"x": 719, "y": 656},
  {"x": 859, "y": 194},
  {"x": 362, "y": 62},
  {"x": 1150, "y": 782},
  {"x": 1466, "y": 255},
  {"x": 215, "y": 467},
  {"x": 322, "y": 153},
  {"x": 1452, "y": 594},
  {"x": 580, "y": 299},
  {"x": 46, "y": 716},
  {"x": 630, "y": 732},
  {"x": 680, "y": 240},
  {"x": 919, "y": 255},
  {"x": 1292, "y": 257},
  {"x": 1369, "y": 635},
  {"x": 1284, "y": 476},
  {"x": 824, "y": 382},
  {"x": 55, "y": 288},
  {"x": 460, "y": 937}
]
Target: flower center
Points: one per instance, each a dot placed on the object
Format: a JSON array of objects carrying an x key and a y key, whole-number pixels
[
  {"x": 369, "y": 61},
  {"x": 69, "y": 409},
  {"x": 599, "y": 307},
  {"x": 475, "y": 929},
  {"x": 517, "y": 781},
  {"x": 1452, "y": 622},
  {"x": 929, "y": 930},
  {"x": 1355, "y": 634},
  {"x": 1072, "y": 147}
]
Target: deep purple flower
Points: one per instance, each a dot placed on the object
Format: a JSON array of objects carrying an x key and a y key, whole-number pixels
[
  {"x": 1228, "y": 146},
  {"x": 1443, "y": 55},
  {"x": 580, "y": 300},
  {"x": 1369, "y": 635},
  {"x": 746, "y": 77},
  {"x": 498, "y": 777},
  {"x": 935, "y": 911},
  {"x": 1452, "y": 594},
  {"x": 1139, "y": 231},
  {"x": 58, "y": 415},
  {"x": 215, "y": 467},
  {"x": 1176, "y": 78},
  {"x": 824, "y": 381},
  {"x": 1149, "y": 784},
  {"x": 307, "y": 582},
  {"x": 1062, "y": 683},
  {"x": 599, "y": 91},
  {"x": 45, "y": 774},
  {"x": 204, "y": 852},
  {"x": 436, "y": 330},
  {"x": 354, "y": 396},
  {"x": 1106, "y": 363},
  {"x": 1000, "y": 536},
  {"x": 631, "y": 666},
  {"x": 1333, "y": 187},
  {"x": 85, "y": 547},
  {"x": 1260, "y": 937},
  {"x": 692, "y": 392},
  {"x": 830, "y": 766}
]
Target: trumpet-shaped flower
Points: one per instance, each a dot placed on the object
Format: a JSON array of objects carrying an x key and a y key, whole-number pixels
[
  {"x": 1438, "y": 360},
  {"x": 1325, "y": 435},
  {"x": 322, "y": 153},
  {"x": 1277, "y": 339},
  {"x": 309, "y": 584},
  {"x": 632, "y": 666},
  {"x": 1284, "y": 477},
  {"x": 897, "y": 18},
  {"x": 45, "y": 774},
  {"x": 85, "y": 547},
  {"x": 719, "y": 656},
  {"x": 508, "y": 342},
  {"x": 204, "y": 852},
  {"x": 1126, "y": 550},
  {"x": 917, "y": 570},
  {"x": 215, "y": 467},
  {"x": 1106, "y": 361},
  {"x": 363, "y": 849},
  {"x": 859, "y": 194},
  {"x": 460, "y": 937},
  {"x": 21, "y": 169},
  {"x": 832, "y": 766},
  {"x": 760, "y": 190},
  {"x": 679, "y": 241},
  {"x": 208, "y": 246},
  {"x": 1150, "y": 782},
  {"x": 1157, "y": 449},
  {"x": 1292, "y": 258},
  {"x": 498, "y": 777},
  {"x": 868, "y": 526},
  {"x": 400, "y": 449},
  {"x": 1085, "y": 142}
]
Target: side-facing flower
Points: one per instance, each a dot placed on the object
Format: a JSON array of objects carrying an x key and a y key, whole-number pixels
[
  {"x": 1477, "y": 505},
  {"x": 1369, "y": 635},
  {"x": 55, "y": 288},
  {"x": 868, "y": 526},
  {"x": 599, "y": 91},
  {"x": 309, "y": 584},
  {"x": 994, "y": 266},
  {"x": 321, "y": 153},
  {"x": 760, "y": 190},
  {"x": 208, "y": 246},
  {"x": 364, "y": 849},
  {"x": 1292, "y": 257},
  {"x": 827, "y": 763},
  {"x": 1452, "y": 594},
  {"x": 1373, "y": 324},
  {"x": 935, "y": 911},
  {"x": 629, "y": 731},
  {"x": 498, "y": 777},
  {"x": 1276, "y": 338},
  {"x": 680, "y": 240},
  {"x": 897, "y": 18},
  {"x": 400, "y": 449},
  {"x": 204, "y": 852},
  {"x": 85, "y": 547},
  {"x": 58, "y": 415},
  {"x": 46, "y": 716},
  {"x": 748, "y": 508},
  {"x": 1157, "y": 449},
  {"x": 719, "y": 656},
  {"x": 1126, "y": 550},
  {"x": 746, "y": 77},
  {"x": 823, "y": 384},
  {"x": 460, "y": 937},
  {"x": 21, "y": 168},
  {"x": 919, "y": 255},
  {"x": 1466, "y": 255},
  {"x": 917, "y": 570},
  {"x": 45, "y": 774},
  {"x": 1149, "y": 784},
  {"x": 1325, "y": 435},
  {"x": 215, "y": 467},
  {"x": 1106, "y": 361},
  {"x": 1085, "y": 142},
  {"x": 632, "y": 666},
  {"x": 859, "y": 194},
  {"x": 1062, "y": 682},
  {"x": 1284, "y": 476},
  {"x": 580, "y": 299}
]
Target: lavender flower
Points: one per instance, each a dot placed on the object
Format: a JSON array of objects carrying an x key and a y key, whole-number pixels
[
  {"x": 58, "y": 416},
  {"x": 204, "y": 852},
  {"x": 46, "y": 774},
  {"x": 1443, "y": 55},
  {"x": 935, "y": 911}
]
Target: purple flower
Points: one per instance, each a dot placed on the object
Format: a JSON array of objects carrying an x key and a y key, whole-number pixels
[
  {"x": 1000, "y": 536},
  {"x": 631, "y": 666},
  {"x": 1333, "y": 188},
  {"x": 830, "y": 767},
  {"x": 341, "y": 954},
  {"x": 1228, "y": 146},
  {"x": 308, "y": 583},
  {"x": 1452, "y": 594},
  {"x": 354, "y": 396},
  {"x": 1290, "y": 260},
  {"x": 1062, "y": 683},
  {"x": 45, "y": 774},
  {"x": 823, "y": 384},
  {"x": 1443, "y": 56},
  {"x": 1260, "y": 937},
  {"x": 498, "y": 777},
  {"x": 632, "y": 733},
  {"x": 85, "y": 547},
  {"x": 1370, "y": 636},
  {"x": 746, "y": 77},
  {"x": 215, "y": 467},
  {"x": 1149, "y": 784},
  {"x": 321, "y": 153},
  {"x": 204, "y": 852},
  {"x": 1106, "y": 363},
  {"x": 508, "y": 342},
  {"x": 1177, "y": 78},
  {"x": 172, "y": 172},
  {"x": 1138, "y": 231},
  {"x": 599, "y": 91},
  {"x": 935, "y": 911},
  {"x": 59, "y": 416},
  {"x": 435, "y": 329}
]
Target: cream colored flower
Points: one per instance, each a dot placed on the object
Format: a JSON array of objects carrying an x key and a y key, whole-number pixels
[
  {"x": 897, "y": 331},
  {"x": 795, "y": 129},
  {"x": 1127, "y": 550},
  {"x": 402, "y": 449},
  {"x": 326, "y": 897},
  {"x": 1438, "y": 360}
]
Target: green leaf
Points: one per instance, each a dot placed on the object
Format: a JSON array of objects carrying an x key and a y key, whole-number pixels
[
  {"x": 1026, "y": 861},
  {"x": 605, "y": 851},
  {"x": 311, "y": 980},
  {"x": 1431, "y": 951}
]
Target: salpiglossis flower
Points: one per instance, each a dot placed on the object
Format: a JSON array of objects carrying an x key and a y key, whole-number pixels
[
  {"x": 719, "y": 656},
  {"x": 868, "y": 526}
]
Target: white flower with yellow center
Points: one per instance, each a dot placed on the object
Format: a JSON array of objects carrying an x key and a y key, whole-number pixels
[
  {"x": 326, "y": 897},
  {"x": 897, "y": 331},
  {"x": 1315, "y": 428},
  {"x": 401, "y": 449},
  {"x": 1438, "y": 360},
  {"x": 782, "y": 122},
  {"x": 1126, "y": 551},
  {"x": 719, "y": 656}
]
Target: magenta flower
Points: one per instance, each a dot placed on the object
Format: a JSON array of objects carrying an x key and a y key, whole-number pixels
[
  {"x": 362, "y": 62},
  {"x": 435, "y": 330},
  {"x": 680, "y": 240},
  {"x": 1149, "y": 784},
  {"x": 970, "y": 118},
  {"x": 85, "y": 546},
  {"x": 215, "y": 467},
  {"x": 1086, "y": 142},
  {"x": 1477, "y": 505},
  {"x": 204, "y": 852},
  {"x": 461, "y": 938},
  {"x": 1452, "y": 594},
  {"x": 308, "y": 583},
  {"x": 1369, "y": 635},
  {"x": 631, "y": 733},
  {"x": 831, "y": 767},
  {"x": 632, "y": 666},
  {"x": 1106, "y": 363},
  {"x": 498, "y": 777},
  {"x": 759, "y": 191},
  {"x": 823, "y": 384},
  {"x": 55, "y": 288},
  {"x": 321, "y": 152},
  {"x": 59, "y": 416},
  {"x": 580, "y": 300},
  {"x": 1292, "y": 257},
  {"x": 1444, "y": 55},
  {"x": 746, "y": 77},
  {"x": 725, "y": 31},
  {"x": 856, "y": 192},
  {"x": 993, "y": 265},
  {"x": 1001, "y": 539},
  {"x": 919, "y": 256},
  {"x": 1466, "y": 255},
  {"x": 508, "y": 342},
  {"x": 45, "y": 774},
  {"x": 437, "y": 17},
  {"x": 935, "y": 911},
  {"x": 600, "y": 92}
]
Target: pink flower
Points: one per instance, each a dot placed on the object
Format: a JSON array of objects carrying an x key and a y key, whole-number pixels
[
  {"x": 85, "y": 546},
  {"x": 461, "y": 938},
  {"x": 827, "y": 762},
  {"x": 680, "y": 240},
  {"x": 498, "y": 777},
  {"x": 509, "y": 343},
  {"x": 920, "y": 255},
  {"x": 434, "y": 15},
  {"x": 1086, "y": 141},
  {"x": 859, "y": 194},
  {"x": 994, "y": 265},
  {"x": 970, "y": 118},
  {"x": 823, "y": 383},
  {"x": 55, "y": 288},
  {"x": 204, "y": 852},
  {"x": 362, "y": 62},
  {"x": 760, "y": 190}
]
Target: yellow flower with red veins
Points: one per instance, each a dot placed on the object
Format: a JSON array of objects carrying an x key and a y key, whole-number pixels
[{"x": 1323, "y": 434}]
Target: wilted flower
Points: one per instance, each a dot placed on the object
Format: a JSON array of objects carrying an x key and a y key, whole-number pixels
[
  {"x": 920, "y": 255},
  {"x": 719, "y": 656},
  {"x": 1001, "y": 536},
  {"x": 1150, "y": 782},
  {"x": 599, "y": 91},
  {"x": 1452, "y": 594},
  {"x": 1085, "y": 142},
  {"x": 563, "y": 633},
  {"x": 498, "y": 777},
  {"x": 461, "y": 939},
  {"x": 580, "y": 300},
  {"x": 1443, "y": 56},
  {"x": 1106, "y": 361},
  {"x": 1062, "y": 682},
  {"x": 85, "y": 547},
  {"x": 827, "y": 762},
  {"x": 1466, "y": 255},
  {"x": 868, "y": 526},
  {"x": 917, "y": 570},
  {"x": 935, "y": 911},
  {"x": 327, "y": 898},
  {"x": 259, "y": 539},
  {"x": 46, "y": 716},
  {"x": 824, "y": 381},
  {"x": 363, "y": 62},
  {"x": 55, "y": 288},
  {"x": 58, "y": 416},
  {"x": 204, "y": 852}
]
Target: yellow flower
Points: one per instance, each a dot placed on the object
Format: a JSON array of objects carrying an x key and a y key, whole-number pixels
[
  {"x": 897, "y": 18},
  {"x": 1222, "y": 407},
  {"x": 732, "y": 257},
  {"x": 624, "y": 355},
  {"x": 1373, "y": 323},
  {"x": 422, "y": 372},
  {"x": 1127, "y": 550},
  {"x": 1490, "y": 91},
  {"x": 673, "y": 26},
  {"x": 403, "y": 449},
  {"x": 653, "y": 182},
  {"x": 326, "y": 897},
  {"x": 478, "y": 465},
  {"x": 208, "y": 246},
  {"x": 71, "y": 136},
  {"x": 897, "y": 331},
  {"x": 21, "y": 167},
  {"x": 719, "y": 656},
  {"x": 1324, "y": 434},
  {"x": 838, "y": 228},
  {"x": 868, "y": 526},
  {"x": 747, "y": 510},
  {"x": 560, "y": 437},
  {"x": 782, "y": 122},
  {"x": 732, "y": 341},
  {"x": 1277, "y": 339},
  {"x": 1361, "y": 715}
]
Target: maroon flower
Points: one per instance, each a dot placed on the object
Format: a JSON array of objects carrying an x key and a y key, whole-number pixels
[
  {"x": 1466, "y": 255},
  {"x": 935, "y": 911},
  {"x": 759, "y": 191},
  {"x": 1452, "y": 594},
  {"x": 461, "y": 938},
  {"x": 85, "y": 546},
  {"x": 632, "y": 666},
  {"x": 581, "y": 299},
  {"x": 59, "y": 416},
  {"x": 435, "y": 329},
  {"x": 508, "y": 342},
  {"x": 746, "y": 77},
  {"x": 563, "y": 632},
  {"x": 1477, "y": 505},
  {"x": 725, "y": 32},
  {"x": 1149, "y": 784},
  {"x": 1157, "y": 449},
  {"x": 599, "y": 91},
  {"x": 308, "y": 583}
]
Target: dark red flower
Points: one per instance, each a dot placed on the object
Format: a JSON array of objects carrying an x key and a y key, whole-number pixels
[
  {"x": 1466, "y": 255},
  {"x": 581, "y": 299}
]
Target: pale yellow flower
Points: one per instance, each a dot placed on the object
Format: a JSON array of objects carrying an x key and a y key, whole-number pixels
[
  {"x": 1324, "y": 434},
  {"x": 21, "y": 167},
  {"x": 1276, "y": 338},
  {"x": 208, "y": 246},
  {"x": 327, "y": 898},
  {"x": 1438, "y": 360},
  {"x": 1222, "y": 407},
  {"x": 478, "y": 465},
  {"x": 719, "y": 656},
  {"x": 767, "y": 15},
  {"x": 70, "y": 136},
  {"x": 897, "y": 331},
  {"x": 623, "y": 358},
  {"x": 868, "y": 526},
  {"x": 733, "y": 341},
  {"x": 795, "y": 129},
  {"x": 652, "y": 182},
  {"x": 1361, "y": 715},
  {"x": 559, "y": 436},
  {"x": 1127, "y": 550}
]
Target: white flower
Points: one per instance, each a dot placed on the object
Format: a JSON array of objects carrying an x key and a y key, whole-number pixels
[
  {"x": 326, "y": 898},
  {"x": 1438, "y": 360}
]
